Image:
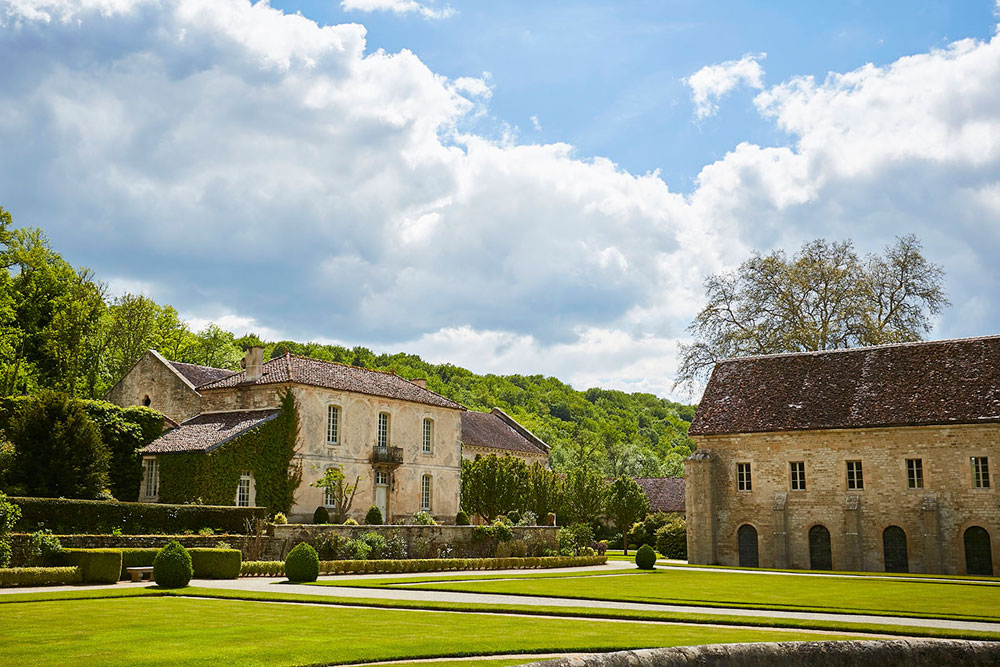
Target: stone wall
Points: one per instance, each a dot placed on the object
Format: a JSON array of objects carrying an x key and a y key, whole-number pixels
[
  {"x": 154, "y": 378},
  {"x": 934, "y": 518},
  {"x": 887, "y": 653}
]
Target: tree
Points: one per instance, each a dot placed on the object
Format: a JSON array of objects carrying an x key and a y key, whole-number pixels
[
  {"x": 58, "y": 448},
  {"x": 493, "y": 485},
  {"x": 335, "y": 485},
  {"x": 626, "y": 503},
  {"x": 543, "y": 490},
  {"x": 586, "y": 491},
  {"x": 825, "y": 297}
]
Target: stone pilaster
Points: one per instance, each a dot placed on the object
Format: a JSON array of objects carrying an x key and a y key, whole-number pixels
[{"x": 699, "y": 498}]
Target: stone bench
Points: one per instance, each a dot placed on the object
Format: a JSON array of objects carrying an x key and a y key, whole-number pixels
[{"x": 140, "y": 573}]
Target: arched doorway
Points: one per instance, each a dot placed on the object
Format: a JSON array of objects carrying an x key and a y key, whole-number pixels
[
  {"x": 820, "y": 557},
  {"x": 894, "y": 550},
  {"x": 746, "y": 537},
  {"x": 978, "y": 554}
]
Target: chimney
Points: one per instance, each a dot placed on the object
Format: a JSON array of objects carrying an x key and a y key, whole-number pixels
[
  {"x": 254, "y": 363},
  {"x": 420, "y": 382}
]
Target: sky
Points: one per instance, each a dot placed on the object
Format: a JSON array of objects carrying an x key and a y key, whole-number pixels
[{"x": 515, "y": 187}]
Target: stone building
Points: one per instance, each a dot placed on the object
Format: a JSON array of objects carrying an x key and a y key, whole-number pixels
[
  {"x": 665, "y": 494},
  {"x": 498, "y": 433},
  {"x": 873, "y": 459}
]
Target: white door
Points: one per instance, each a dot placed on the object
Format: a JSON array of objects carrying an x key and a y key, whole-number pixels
[{"x": 382, "y": 493}]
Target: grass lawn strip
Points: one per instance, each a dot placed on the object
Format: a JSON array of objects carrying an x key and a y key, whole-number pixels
[
  {"x": 966, "y": 601},
  {"x": 471, "y": 661},
  {"x": 173, "y": 629}
]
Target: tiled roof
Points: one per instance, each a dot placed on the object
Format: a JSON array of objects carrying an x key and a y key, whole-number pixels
[
  {"x": 911, "y": 384},
  {"x": 488, "y": 429},
  {"x": 198, "y": 375},
  {"x": 208, "y": 431},
  {"x": 303, "y": 370},
  {"x": 666, "y": 494}
]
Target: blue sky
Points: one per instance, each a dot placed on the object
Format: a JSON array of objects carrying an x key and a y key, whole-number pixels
[{"x": 513, "y": 187}]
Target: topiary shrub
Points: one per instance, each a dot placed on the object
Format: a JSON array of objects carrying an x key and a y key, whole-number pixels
[
  {"x": 374, "y": 516},
  {"x": 350, "y": 522},
  {"x": 671, "y": 539},
  {"x": 279, "y": 519},
  {"x": 302, "y": 564},
  {"x": 172, "y": 567},
  {"x": 423, "y": 519},
  {"x": 321, "y": 515},
  {"x": 216, "y": 563},
  {"x": 461, "y": 519},
  {"x": 645, "y": 557}
]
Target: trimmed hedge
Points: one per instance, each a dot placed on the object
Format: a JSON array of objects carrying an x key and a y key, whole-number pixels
[
  {"x": 137, "y": 558},
  {"x": 68, "y": 517},
  {"x": 302, "y": 563},
  {"x": 97, "y": 566},
  {"x": 645, "y": 557},
  {"x": 216, "y": 563},
  {"x": 276, "y": 568},
  {"x": 172, "y": 567},
  {"x": 38, "y": 576}
]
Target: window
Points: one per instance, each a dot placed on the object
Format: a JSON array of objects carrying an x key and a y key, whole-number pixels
[
  {"x": 981, "y": 472},
  {"x": 383, "y": 430},
  {"x": 381, "y": 478},
  {"x": 914, "y": 473},
  {"x": 855, "y": 478},
  {"x": 152, "y": 478},
  {"x": 333, "y": 425},
  {"x": 743, "y": 482},
  {"x": 147, "y": 401},
  {"x": 428, "y": 435},
  {"x": 425, "y": 493},
  {"x": 798, "y": 475},
  {"x": 243, "y": 490}
]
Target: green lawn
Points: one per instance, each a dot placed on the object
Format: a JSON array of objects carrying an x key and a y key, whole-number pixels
[
  {"x": 139, "y": 630},
  {"x": 938, "y": 599}
]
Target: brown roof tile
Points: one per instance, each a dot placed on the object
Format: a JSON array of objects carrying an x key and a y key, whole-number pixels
[
  {"x": 489, "y": 429},
  {"x": 198, "y": 375},
  {"x": 208, "y": 431},
  {"x": 666, "y": 494},
  {"x": 911, "y": 384},
  {"x": 303, "y": 370}
]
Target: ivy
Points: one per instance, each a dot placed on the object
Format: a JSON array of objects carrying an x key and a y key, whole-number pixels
[{"x": 266, "y": 451}]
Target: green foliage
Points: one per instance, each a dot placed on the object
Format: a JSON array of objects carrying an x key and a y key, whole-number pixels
[
  {"x": 59, "y": 452},
  {"x": 423, "y": 519},
  {"x": 461, "y": 519},
  {"x": 43, "y": 549},
  {"x": 356, "y": 550},
  {"x": 376, "y": 543},
  {"x": 266, "y": 451},
  {"x": 39, "y": 576},
  {"x": 645, "y": 557},
  {"x": 124, "y": 431},
  {"x": 97, "y": 566},
  {"x": 321, "y": 515},
  {"x": 172, "y": 567},
  {"x": 137, "y": 558},
  {"x": 65, "y": 517},
  {"x": 395, "y": 548},
  {"x": 350, "y": 522},
  {"x": 10, "y": 513},
  {"x": 279, "y": 519},
  {"x": 262, "y": 568},
  {"x": 671, "y": 539},
  {"x": 215, "y": 563},
  {"x": 493, "y": 485},
  {"x": 626, "y": 503},
  {"x": 336, "y": 486},
  {"x": 374, "y": 516},
  {"x": 543, "y": 491},
  {"x": 644, "y": 532},
  {"x": 586, "y": 492},
  {"x": 302, "y": 564},
  {"x": 277, "y": 568}
]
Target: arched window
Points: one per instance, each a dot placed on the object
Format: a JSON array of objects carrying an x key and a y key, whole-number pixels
[
  {"x": 746, "y": 538},
  {"x": 894, "y": 550},
  {"x": 428, "y": 439},
  {"x": 425, "y": 493},
  {"x": 820, "y": 557},
  {"x": 978, "y": 554}
]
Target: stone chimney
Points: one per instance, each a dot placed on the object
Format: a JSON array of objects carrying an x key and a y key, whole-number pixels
[
  {"x": 253, "y": 362},
  {"x": 420, "y": 382}
]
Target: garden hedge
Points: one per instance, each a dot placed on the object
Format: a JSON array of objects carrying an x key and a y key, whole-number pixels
[
  {"x": 39, "y": 576},
  {"x": 276, "y": 568},
  {"x": 68, "y": 517},
  {"x": 97, "y": 566},
  {"x": 216, "y": 563},
  {"x": 137, "y": 558}
]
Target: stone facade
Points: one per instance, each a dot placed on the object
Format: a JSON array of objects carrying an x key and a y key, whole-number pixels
[
  {"x": 155, "y": 383},
  {"x": 934, "y": 518},
  {"x": 471, "y": 452}
]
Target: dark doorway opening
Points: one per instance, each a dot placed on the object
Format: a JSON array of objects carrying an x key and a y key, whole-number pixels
[
  {"x": 978, "y": 554},
  {"x": 894, "y": 550},
  {"x": 820, "y": 557},
  {"x": 747, "y": 538}
]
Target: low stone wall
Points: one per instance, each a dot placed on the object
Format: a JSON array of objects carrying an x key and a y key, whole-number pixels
[
  {"x": 262, "y": 548},
  {"x": 880, "y": 653},
  {"x": 417, "y": 538}
]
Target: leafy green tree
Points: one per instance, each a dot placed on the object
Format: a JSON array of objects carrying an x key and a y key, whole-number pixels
[
  {"x": 494, "y": 485},
  {"x": 9, "y": 514},
  {"x": 626, "y": 503},
  {"x": 335, "y": 484},
  {"x": 543, "y": 491},
  {"x": 825, "y": 297},
  {"x": 59, "y": 452},
  {"x": 586, "y": 491}
]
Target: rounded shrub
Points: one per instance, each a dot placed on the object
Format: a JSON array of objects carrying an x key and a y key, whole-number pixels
[
  {"x": 350, "y": 522},
  {"x": 461, "y": 519},
  {"x": 374, "y": 516},
  {"x": 302, "y": 563},
  {"x": 645, "y": 557},
  {"x": 321, "y": 515},
  {"x": 671, "y": 539},
  {"x": 172, "y": 566},
  {"x": 279, "y": 519}
]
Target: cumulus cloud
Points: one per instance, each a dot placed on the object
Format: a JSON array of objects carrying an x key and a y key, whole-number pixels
[
  {"x": 712, "y": 82},
  {"x": 397, "y": 7},
  {"x": 254, "y": 168}
]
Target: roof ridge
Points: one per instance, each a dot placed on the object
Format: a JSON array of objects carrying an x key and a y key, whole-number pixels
[{"x": 863, "y": 348}]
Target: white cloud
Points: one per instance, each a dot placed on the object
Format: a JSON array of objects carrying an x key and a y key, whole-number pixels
[
  {"x": 536, "y": 124},
  {"x": 397, "y": 7},
  {"x": 712, "y": 82}
]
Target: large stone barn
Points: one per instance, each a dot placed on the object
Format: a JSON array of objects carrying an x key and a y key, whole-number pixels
[{"x": 872, "y": 459}]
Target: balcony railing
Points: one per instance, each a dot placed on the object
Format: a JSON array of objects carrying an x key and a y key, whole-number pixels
[{"x": 387, "y": 454}]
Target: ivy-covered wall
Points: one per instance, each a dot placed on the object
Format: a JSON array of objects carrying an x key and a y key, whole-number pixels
[{"x": 267, "y": 451}]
